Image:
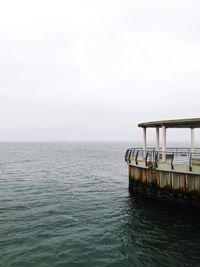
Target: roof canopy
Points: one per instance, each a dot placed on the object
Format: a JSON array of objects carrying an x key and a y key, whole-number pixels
[{"x": 182, "y": 123}]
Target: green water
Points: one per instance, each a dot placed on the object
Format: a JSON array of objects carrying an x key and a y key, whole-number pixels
[{"x": 67, "y": 204}]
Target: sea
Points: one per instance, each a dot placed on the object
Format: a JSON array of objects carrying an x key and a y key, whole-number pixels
[{"x": 68, "y": 204}]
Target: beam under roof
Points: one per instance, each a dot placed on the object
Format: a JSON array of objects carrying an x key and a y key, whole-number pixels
[{"x": 179, "y": 123}]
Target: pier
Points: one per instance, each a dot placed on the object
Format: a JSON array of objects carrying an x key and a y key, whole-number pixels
[{"x": 170, "y": 174}]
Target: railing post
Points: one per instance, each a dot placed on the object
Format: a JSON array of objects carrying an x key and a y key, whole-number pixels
[
  {"x": 136, "y": 157},
  {"x": 163, "y": 143},
  {"x": 126, "y": 154},
  {"x": 146, "y": 157},
  {"x": 192, "y": 140},
  {"x": 190, "y": 162},
  {"x": 156, "y": 159},
  {"x": 144, "y": 140},
  {"x": 129, "y": 156},
  {"x": 157, "y": 139},
  {"x": 172, "y": 159}
]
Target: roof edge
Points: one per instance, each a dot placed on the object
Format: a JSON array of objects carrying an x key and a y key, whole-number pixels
[{"x": 176, "y": 123}]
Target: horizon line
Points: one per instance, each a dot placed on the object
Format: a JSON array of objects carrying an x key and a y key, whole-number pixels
[{"x": 83, "y": 141}]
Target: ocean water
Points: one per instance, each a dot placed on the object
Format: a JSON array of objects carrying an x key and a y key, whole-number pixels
[{"x": 67, "y": 204}]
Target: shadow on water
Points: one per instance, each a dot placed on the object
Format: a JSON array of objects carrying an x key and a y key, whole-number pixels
[{"x": 159, "y": 235}]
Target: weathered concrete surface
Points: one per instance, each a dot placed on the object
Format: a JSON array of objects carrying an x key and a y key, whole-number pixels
[{"x": 173, "y": 187}]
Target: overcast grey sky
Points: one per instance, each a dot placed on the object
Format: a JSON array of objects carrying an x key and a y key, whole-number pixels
[{"x": 92, "y": 70}]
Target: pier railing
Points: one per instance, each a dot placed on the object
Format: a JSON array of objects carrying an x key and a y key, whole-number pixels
[{"x": 172, "y": 155}]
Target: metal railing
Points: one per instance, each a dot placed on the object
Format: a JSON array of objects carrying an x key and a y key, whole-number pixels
[
  {"x": 172, "y": 155},
  {"x": 138, "y": 154}
]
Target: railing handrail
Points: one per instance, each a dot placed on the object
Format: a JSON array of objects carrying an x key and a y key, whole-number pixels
[
  {"x": 152, "y": 155},
  {"x": 169, "y": 147}
]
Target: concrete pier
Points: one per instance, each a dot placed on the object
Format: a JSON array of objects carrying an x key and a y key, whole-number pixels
[{"x": 167, "y": 174}]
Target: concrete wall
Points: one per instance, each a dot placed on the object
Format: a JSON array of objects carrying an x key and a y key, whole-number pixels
[
  {"x": 183, "y": 182},
  {"x": 171, "y": 187}
]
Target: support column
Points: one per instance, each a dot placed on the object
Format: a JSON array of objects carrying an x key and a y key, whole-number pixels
[
  {"x": 144, "y": 141},
  {"x": 192, "y": 141},
  {"x": 164, "y": 143},
  {"x": 157, "y": 139}
]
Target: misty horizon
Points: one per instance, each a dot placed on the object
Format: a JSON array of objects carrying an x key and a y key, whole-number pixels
[{"x": 91, "y": 71}]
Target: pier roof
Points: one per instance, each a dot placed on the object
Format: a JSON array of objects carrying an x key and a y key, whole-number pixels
[{"x": 179, "y": 123}]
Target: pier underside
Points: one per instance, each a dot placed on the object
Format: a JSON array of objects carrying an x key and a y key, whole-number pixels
[{"x": 179, "y": 188}]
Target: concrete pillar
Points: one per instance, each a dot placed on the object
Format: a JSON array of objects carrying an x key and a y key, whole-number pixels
[
  {"x": 192, "y": 141},
  {"x": 164, "y": 143},
  {"x": 144, "y": 140},
  {"x": 157, "y": 139}
]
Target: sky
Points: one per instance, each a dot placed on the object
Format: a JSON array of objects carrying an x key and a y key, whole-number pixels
[{"x": 88, "y": 70}]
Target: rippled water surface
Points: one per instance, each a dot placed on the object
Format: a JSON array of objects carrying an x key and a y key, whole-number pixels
[{"x": 67, "y": 204}]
